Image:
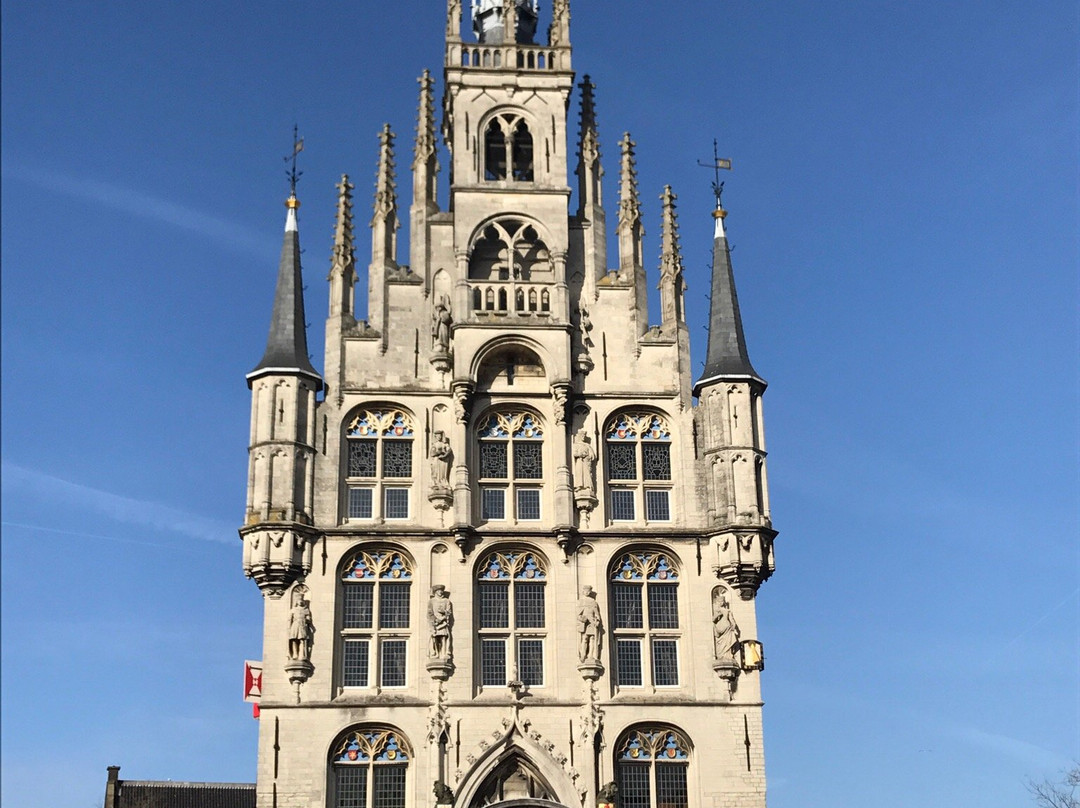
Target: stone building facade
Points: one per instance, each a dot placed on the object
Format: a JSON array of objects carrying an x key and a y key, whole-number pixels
[{"x": 506, "y": 558}]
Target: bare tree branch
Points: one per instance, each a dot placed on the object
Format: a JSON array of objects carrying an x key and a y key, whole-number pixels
[{"x": 1055, "y": 795}]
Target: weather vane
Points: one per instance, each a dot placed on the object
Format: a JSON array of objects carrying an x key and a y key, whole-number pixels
[
  {"x": 292, "y": 173},
  {"x": 717, "y": 164}
]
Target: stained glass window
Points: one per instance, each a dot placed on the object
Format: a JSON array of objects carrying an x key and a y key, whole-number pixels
[
  {"x": 370, "y": 770},
  {"x": 375, "y": 597},
  {"x": 511, "y": 449},
  {"x": 511, "y": 590},
  {"x": 379, "y": 445},
  {"x": 645, "y": 620},
  {"x": 651, "y": 765},
  {"x": 639, "y": 470}
]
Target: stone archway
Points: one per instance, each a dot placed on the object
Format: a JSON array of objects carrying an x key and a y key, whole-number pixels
[{"x": 514, "y": 781}]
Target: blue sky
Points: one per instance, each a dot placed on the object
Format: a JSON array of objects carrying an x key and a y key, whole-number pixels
[{"x": 904, "y": 214}]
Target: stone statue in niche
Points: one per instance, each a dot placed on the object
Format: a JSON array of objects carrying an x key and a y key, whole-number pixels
[
  {"x": 441, "y": 623},
  {"x": 584, "y": 464},
  {"x": 590, "y": 625},
  {"x": 725, "y": 629},
  {"x": 441, "y": 320},
  {"x": 301, "y": 627},
  {"x": 440, "y": 457}
]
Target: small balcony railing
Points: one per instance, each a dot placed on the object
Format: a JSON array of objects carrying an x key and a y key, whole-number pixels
[{"x": 511, "y": 297}]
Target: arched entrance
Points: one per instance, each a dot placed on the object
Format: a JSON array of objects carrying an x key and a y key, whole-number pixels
[{"x": 514, "y": 782}]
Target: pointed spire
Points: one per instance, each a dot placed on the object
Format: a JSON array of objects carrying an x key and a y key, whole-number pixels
[
  {"x": 385, "y": 223},
  {"x": 425, "y": 121},
  {"x": 672, "y": 282},
  {"x": 425, "y": 155},
  {"x": 453, "y": 20},
  {"x": 343, "y": 261},
  {"x": 286, "y": 346},
  {"x": 630, "y": 229},
  {"x": 589, "y": 170},
  {"x": 559, "y": 31},
  {"x": 727, "y": 358}
]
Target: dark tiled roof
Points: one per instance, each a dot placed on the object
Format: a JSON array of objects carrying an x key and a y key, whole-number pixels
[
  {"x": 727, "y": 357},
  {"x": 149, "y": 794},
  {"x": 286, "y": 346}
]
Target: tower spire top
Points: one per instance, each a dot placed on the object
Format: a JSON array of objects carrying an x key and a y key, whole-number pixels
[
  {"x": 672, "y": 282},
  {"x": 286, "y": 345},
  {"x": 718, "y": 163},
  {"x": 727, "y": 358},
  {"x": 294, "y": 175}
]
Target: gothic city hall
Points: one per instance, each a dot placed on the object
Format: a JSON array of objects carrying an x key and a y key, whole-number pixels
[{"x": 509, "y": 546}]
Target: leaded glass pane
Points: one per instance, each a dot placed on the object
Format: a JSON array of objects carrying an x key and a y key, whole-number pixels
[
  {"x": 531, "y": 662},
  {"x": 658, "y": 506},
  {"x": 528, "y": 504},
  {"x": 656, "y": 461},
  {"x": 628, "y": 662},
  {"x": 351, "y": 788},
  {"x": 665, "y": 663},
  {"x": 358, "y": 602},
  {"x": 493, "y": 503},
  {"x": 360, "y": 500},
  {"x": 622, "y": 506},
  {"x": 389, "y": 787},
  {"x": 393, "y": 605},
  {"x": 663, "y": 606},
  {"x": 622, "y": 461},
  {"x": 494, "y": 605},
  {"x": 634, "y": 786},
  {"x": 671, "y": 788},
  {"x": 393, "y": 663},
  {"x": 397, "y": 458},
  {"x": 354, "y": 669},
  {"x": 627, "y": 601},
  {"x": 528, "y": 460},
  {"x": 528, "y": 605},
  {"x": 493, "y": 663},
  {"x": 361, "y": 458},
  {"x": 493, "y": 460},
  {"x": 397, "y": 503}
]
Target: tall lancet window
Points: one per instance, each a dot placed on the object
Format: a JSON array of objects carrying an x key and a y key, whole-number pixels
[
  {"x": 645, "y": 620},
  {"x": 512, "y": 618},
  {"x": 638, "y": 459},
  {"x": 511, "y": 449},
  {"x": 376, "y": 587},
  {"x": 651, "y": 765},
  {"x": 379, "y": 465},
  {"x": 369, "y": 769},
  {"x": 508, "y": 150}
]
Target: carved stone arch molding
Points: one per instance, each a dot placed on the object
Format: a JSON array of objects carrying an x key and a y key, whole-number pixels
[{"x": 524, "y": 758}]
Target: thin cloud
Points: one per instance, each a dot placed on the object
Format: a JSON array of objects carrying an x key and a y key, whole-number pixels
[
  {"x": 144, "y": 205},
  {"x": 18, "y": 480}
]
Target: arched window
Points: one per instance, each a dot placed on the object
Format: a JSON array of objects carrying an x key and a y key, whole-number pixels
[
  {"x": 645, "y": 619},
  {"x": 508, "y": 149},
  {"x": 511, "y": 250},
  {"x": 511, "y": 448},
  {"x": 512, "y": 618},
  {"x": 379, "y": 465},
  {"x": 638, "y": 467},
  {"x": 376, "y": 588},
  {"x": 651, "y": 768},
  {"x": 369, "y": 769}
]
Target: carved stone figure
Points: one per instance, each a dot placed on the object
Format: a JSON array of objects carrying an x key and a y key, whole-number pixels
[
  {"x": 584, "y": 463},
  {"x": 590, "y": 625},
  {"x": 440, "y": 458},
  {"x": 301, "y": 629},
  {"x": 441, "y": 623},
  {"x": 725, "y": 629},
  {"x": 441, "y": 320},
  {"x": 584, "y": 325},
  {"x": 561, "y": 400},
  {"x": 461, "y": 404}
]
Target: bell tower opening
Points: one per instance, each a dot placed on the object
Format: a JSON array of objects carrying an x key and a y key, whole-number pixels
[{"x": 489, "y": 23}]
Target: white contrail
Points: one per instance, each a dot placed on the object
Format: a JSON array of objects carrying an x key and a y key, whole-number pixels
[{"x": 18, "y": 480}]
